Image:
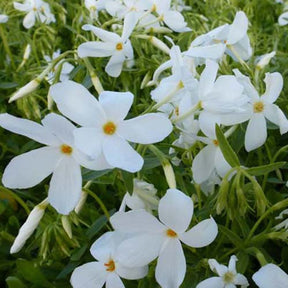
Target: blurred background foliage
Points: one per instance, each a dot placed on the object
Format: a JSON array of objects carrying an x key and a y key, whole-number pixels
[{"x": 49, "y": 256}]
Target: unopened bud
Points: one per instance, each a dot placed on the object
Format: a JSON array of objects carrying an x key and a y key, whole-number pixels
[
  {"x": 169, "y": 174},
  {"x": 27, "y": 52},
  {"x": 81, "y": 202},
  {"x": 264, "y": 60},
  {"x": 29, "y": 226},
  {"x": 25, "y": 90}
]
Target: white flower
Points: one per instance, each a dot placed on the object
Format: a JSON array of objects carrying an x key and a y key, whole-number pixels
[
  {"x": 59, "y": 157},
  {"x": 283, "y": 19},
  {"x": 233, "y": 38},
  {"x": 119, "y": 48},
  {"x": 104, "y": 131},
  {"x": 36, "y": 10},
  {"x": 3, "y": 18},
  {"x": 143, "y": 197},
  {"x": 66, "y": 68},
  {"x": 229, "y": 277},
  {"x": 108, "y": 269},
  {"x": 269, "y": 276},
  {"x": 265, "y": 59},
  {"x": 94, "y": 6},
  {"x": 153, "y": 238},
  {"x": 29, "y": 226},
  {"x": 258, "y": 109}
]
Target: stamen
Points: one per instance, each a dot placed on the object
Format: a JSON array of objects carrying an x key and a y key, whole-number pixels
[
  {"x": 119, "y": 46},
  {"x": 109, "y": 128},
  {"x": 110, "y": 266},
  {"x": 228, "y": 277},
  {"x": 216, "y": 142},
  {"x": 258, "y": 107},
  {"x": 66, "y": 149},
  {"x": 171, "y": 233}
]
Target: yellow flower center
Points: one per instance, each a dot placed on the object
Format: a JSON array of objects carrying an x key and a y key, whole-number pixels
[
  {"x": 258, "y": 107},
  {"x": 216, "y": 142},
  {"x": 109, "y": 128},
  {"x": 110, "y": 266},
  {"x": 228, "y": 277},
  {"x": 66, "y": 149},
  {"x": 180, "y": 84},
  {"x": 171, "y": 233},
  {"x": 119, "y": 46}
]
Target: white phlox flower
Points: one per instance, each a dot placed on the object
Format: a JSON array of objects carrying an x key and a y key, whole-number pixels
[
  {"x": 209, "y": 160},
  {"x": 3, "y": 18},
  {"x": 258, "y": 109},
  {"x": 119, "y": 48},
  {"x": 153, "y": 238},
  {"x": 94, "y": 6},
  {"x": 231, "y": 39},
  {"x": 143, "y": 197},
  {"x": 108, "y": 269},
  {"x": 172, "y": 18},
  {"x": 228, "y": 276},
  {"x": 29, "y": 226},
  {"x": 65, "y": 69},
  {"x": 104, "y": 131},
  {"x": 269, "y": 276},
  {"x": 264, "y": 60},
  {"x": 284, "y": 223},
  {"x": 36, "y": 10},
  {"x": 216, "y": 98},
  {"x": 59, "y": 157},
  {"x": 283, "y": 19}
]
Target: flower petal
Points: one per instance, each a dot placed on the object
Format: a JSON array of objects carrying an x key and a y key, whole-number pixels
[
  {"x": 171, "y": 265},
  {"x": 115, "y": 64},
  {"x": 102, "y": 34},
  {"x": 213, "y": 52},
  {"x": 138, "y": 129},
  {"x": 140, "y": 250},
  {"x": 29, "y": 20},
  {"x": 241, "y": 280},
  {"x": 130, "y": 22},
  {"x": 89, "y": 141},
  {"x": 96, "y": 49},
  {"x": 60, "y": 127},
  {"x": 175, "y": 21},
  {"x": 120, "y": 154},
  {"x": 114, "y": 281},
  {"x": 269, "y": 276},
  {"x": 176, "y": 210},
  {"x": 274, "y": 85},
  {"x": 204, "y": 163},
  {"x": 28, "y": 128},
  {"x": 89, "y": 275},
  {"x": 116, "y": 104},
  {"x": 75, "y": 102},
  {"x": 217, "y": 268},
  {"x": 201, "y": 235},
  {"x": 208, "y": 77},
  {"x": 131, "y": 273},
  {"x": 215, "y": 282},
  {"x": 256, "y": 132},
  {"x": 238, "y": 28},
  {"x": 65, "y": 186},
  {"x": 136, "y": 221},
  {"x": 29, "y": 169}
]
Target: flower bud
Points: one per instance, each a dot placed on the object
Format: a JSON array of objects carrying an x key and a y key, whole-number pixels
[
  {"x": 264, "y": 60},
  {"x": 66, "y": 225},
  {"x": 29, "y": 226},
  {"x": 23, "y": 91},
  {"x": 169, "y": 174}
]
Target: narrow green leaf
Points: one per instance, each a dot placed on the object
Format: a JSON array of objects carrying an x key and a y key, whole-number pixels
[
  {"x": 14, "y": 282},
  {"x": 228, "y": 153},
  {"x": 263, "y": 169}
]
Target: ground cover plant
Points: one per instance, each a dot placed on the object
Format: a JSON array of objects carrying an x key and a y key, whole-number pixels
[{"x": 143, "y": 143}]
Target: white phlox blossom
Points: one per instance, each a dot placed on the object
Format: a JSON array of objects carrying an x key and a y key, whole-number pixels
[
  {"x": 231, "y": 39},
  {"x": 264, "y": 60},
  {"x": 258, "y": 109},
  {"x": 104, "y": 131},
  {"x": 269, "y": 276},
  {"x": 209, "y": 160},
  {"x": 3, "y": 18},
  {"x": 59, "y": 157},
  {"x": 65, "y": 69},
  {"x": 228, "y": 276},
  {"x": 284, "y": 223},
  {"x": 153, "y": 238},
  {"x": 283, "y": 19},
  {"x": 36, "y": 10},
  {"x": 119, "y": 48},
  {"x": 29, "y": 226},
  {"x": 143, "y": 197},
  {"x": 108, "y": 269},
  {"x": 94, "y": 6}
]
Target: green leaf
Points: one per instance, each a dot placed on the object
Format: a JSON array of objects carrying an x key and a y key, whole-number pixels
[
  {"x": 233, "y": 237},
  {"x": 8, "y": 85},
  {"x": 228, "y": 153},
  {"x": 263, "y": 169},
  {"x": 96, "y": 226},
  {"x": 128, "y": 181},
  {"x": 14, "y": 282}
]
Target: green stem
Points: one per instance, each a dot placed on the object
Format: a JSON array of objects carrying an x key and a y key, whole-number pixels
[{"x": 6, "y": 46}]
